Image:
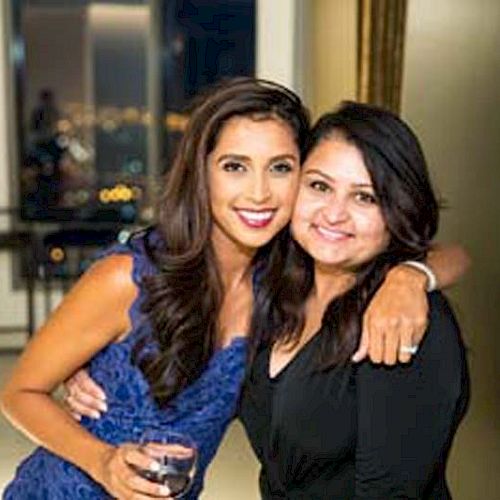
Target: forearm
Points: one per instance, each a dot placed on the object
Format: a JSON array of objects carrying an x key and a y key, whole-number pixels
[
  {"x": 449, "y": 263},
  {"x": 39, "y": 417}
]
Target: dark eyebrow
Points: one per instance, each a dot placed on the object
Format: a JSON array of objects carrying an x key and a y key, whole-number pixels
[
  {"x": 285, "y": 157},
  {"x": 233, "y": 157},
  {"x": 332, "y": 180},
  {"x": 236, "y": 157}
]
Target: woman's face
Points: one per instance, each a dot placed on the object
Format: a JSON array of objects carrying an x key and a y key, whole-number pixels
[
  {"x": 337, "y": 219},
  {"x": 253, "y": 175}
]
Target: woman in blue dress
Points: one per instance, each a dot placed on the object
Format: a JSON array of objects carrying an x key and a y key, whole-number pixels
[{"x": 160, "y": 322}]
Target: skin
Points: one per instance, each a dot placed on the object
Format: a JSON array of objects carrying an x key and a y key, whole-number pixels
[
  {"x": 246, "y": 173},
  {"x": 253, "y": 183},
  {"x": 337, "y": 219}
]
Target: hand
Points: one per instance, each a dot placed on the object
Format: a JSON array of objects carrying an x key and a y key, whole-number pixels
[
  {"x": 84, "y": 396},
  {"x": 117, "y": 475},
  {"x": 395, "y": 318}
]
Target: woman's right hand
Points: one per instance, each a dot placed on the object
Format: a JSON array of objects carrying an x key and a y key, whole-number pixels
[
  {"x": 83, "y": 396},
  {"x": 117, "y": 475}
]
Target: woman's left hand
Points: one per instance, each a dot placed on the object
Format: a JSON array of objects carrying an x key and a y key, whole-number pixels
[{"x": 396, "y": 318}]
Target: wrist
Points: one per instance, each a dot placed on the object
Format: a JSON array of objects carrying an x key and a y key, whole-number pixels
[
  {"x": 432, "y": 282},
  {"x": 410, "y": 276},
  {"x": 98, "y": 465}
]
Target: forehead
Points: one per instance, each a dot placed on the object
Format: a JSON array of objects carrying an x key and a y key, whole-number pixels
[
  {"x": 240, "y": 129},
  {"x": 337, "y": 158}
]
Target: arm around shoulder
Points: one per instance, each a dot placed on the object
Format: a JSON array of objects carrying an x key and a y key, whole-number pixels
[{"x": 449, "y": 263}]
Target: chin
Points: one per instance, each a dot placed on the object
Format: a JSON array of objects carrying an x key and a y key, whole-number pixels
[{"x": 256, "y": 243}]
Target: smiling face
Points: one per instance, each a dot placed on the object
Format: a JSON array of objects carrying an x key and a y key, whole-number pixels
[
  {"x": 253, "y": 175},
  {"x": 336, "y": 218}
]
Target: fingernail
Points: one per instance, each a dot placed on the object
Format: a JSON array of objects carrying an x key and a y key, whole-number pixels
[
  {"x": 164, "y": 490},
  {"x": 103, "y": 406},
  {"x": 95, "y": 414},
  {"x": 154, "y": 467}
]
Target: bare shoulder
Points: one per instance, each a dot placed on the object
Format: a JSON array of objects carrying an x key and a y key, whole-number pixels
[
  {"x": 102, "y": 297},
  {"x": 109, "y": 276},
  {"x": 113, "y": 271}
]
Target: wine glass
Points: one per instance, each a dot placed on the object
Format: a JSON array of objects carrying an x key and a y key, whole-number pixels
[{"x": 176, "y": 454}]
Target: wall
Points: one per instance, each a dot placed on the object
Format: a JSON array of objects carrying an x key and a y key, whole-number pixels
[
  {"x": 333, "y": 51},
  {"x": 4, "y": 153},
  {"x": 451, "y": 96}
]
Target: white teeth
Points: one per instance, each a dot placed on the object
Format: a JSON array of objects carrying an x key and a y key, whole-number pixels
[
  {"x": 256, "y": 216},
  {"x": 331, "y": 234}
]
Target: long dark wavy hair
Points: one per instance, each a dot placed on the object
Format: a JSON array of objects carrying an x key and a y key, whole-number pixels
[
  {"x": 398, "y": 170},
  {"x": 184, "y": 297}
]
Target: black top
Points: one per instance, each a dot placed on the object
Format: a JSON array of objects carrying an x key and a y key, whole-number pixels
[{"x": 365, "y": 431}]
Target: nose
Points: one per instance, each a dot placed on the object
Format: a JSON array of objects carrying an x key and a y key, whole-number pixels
[
  {"x": 260, "y": 190},
  {"x": 335, "y": 210}
]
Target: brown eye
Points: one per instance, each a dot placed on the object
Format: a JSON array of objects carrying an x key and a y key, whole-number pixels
[
  {"x": 281, "y": 168},
  {"x": 320, "y": 186},
  {"x": 366, "y": 198},
  {"x": 233, "y": 166}
]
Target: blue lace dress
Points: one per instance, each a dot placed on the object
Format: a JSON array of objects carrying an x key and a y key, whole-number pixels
[{"x": 203, "y": 410}]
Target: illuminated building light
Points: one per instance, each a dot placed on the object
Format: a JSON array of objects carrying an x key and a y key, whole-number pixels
[
  {"x": 104, "y": 196},
  {"x": 127, "y": 195},
  {"x": 123, "y": 193},
  {"x": 113, "y": 196},
  {"x": 109, "y": 125},
  {"x": 176, "y": 122},
  {"x": 123, "y": 236},
  {"x": 131, "y": 115},
  {"x": 133, "y": 167},
  {"x": 78, "y": 151},
  {"x": 57, "y": 254},
  {"x": 64, "y": 126},
  {"x": 147, "y": 214}
]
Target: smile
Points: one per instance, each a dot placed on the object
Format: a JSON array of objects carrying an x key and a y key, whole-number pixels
[
  {"x": 256, "y": 218},
  {"x": 334, "y": 235}
]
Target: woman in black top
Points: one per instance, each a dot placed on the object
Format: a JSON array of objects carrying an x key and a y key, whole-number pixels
[{"x": 322, "y": 427}]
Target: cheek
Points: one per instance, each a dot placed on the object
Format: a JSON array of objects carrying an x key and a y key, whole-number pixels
[
  {"x": 221, "y": 189},
  {"x": 301, "y": 214},
  {"x": 375, "y": 231},
  {"x": 287, "y": 193}
]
